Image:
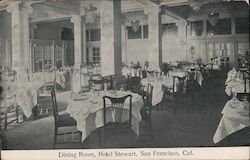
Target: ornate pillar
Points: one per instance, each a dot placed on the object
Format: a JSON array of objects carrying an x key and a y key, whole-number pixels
[
  {"x": 154, "y": 36},
  {"x": 13, "y": 8},
  {"x": 182, "y": 36},
  {"x": 26, "y": 9},
  {"x": 77, "y": 20},
  {"x": 111, "y": 54},
  {"x": 20, "y": 34}
]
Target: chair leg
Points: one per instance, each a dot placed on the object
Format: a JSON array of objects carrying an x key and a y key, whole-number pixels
[
  {"x": 174, "y": 105},
  {"x": 100, "y": 132},
  {"x": 5, "y": 120},
  {"x": 55, "y": 138},
  {"x": 151, "y": 128}
]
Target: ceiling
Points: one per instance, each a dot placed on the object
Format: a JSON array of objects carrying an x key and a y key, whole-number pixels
[{"x": 60, "y": 9}]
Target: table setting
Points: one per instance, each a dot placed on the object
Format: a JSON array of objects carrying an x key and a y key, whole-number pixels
[
  {"x": 235, "y": 83},
  {"x": 157, "y": 83},
  {"x": 87, "y": 108},
  {"x": 235, "y": 117}
]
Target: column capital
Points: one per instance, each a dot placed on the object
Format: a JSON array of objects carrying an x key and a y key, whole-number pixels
[
  {"x": 22, "y": 6},
  {"x": 152, "y": 9},
  {"x": 13, "y": 6},
  {"x": 76, "y": 19},
  {"x": 26, "y": 7}
]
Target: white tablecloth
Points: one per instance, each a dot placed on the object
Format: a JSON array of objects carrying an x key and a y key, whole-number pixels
[
  {"x": 88, "y": 110},
  {"x": 26, "y": 95},
  {"x": 157, "y": 87},
  {"x": 235, "y": 117},
  {"x": 49, "y": 77},
  {"x": 236, "y": 87}
]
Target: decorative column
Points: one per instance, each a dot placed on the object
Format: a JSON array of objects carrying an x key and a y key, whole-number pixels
[
  {"x": 182, "y": 36},
  {"x": 154, "y": 36},
  {"x": 20, "y": 34},
  {"x": 13, "y": 8},
  {"x": 26, "y": 9},
  {"x": 77, "y": 20},
  {"x": 84, "y": 56},
  {"x": 111, "y": 56}
]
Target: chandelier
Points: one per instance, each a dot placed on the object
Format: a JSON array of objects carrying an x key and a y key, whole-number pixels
[
  {"x": 196, "y": 4},
  {"x": 135, "y": 24},
  {"x": 213, "y": 18}
]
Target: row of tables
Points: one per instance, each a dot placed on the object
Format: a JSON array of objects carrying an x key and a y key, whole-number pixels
[
  {"x": 235, "y": 114},
  {"x": 86, "y": 108}
]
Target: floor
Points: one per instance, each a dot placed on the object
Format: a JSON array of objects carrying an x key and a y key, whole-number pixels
[{"x": 193, "y": 125}]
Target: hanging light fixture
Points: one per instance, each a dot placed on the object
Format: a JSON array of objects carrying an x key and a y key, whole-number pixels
[
  {"x": 196, "y": 4},
  {"x": 135, "y": 24},
  {"x": 213, "y": 18}
]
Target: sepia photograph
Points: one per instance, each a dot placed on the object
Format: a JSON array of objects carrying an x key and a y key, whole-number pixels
[{"x": 125, "y": 78}]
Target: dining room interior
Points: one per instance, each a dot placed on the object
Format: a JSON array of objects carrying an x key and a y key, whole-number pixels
[{"x": 89, "y": 74}]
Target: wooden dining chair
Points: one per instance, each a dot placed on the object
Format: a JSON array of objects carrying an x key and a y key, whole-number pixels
[
  {"x": 115, "y": 121},
  {"x": 96, "y": 83},
  {"x": 133, "y": 84},
  {"x": 9, "y": 109},
  {"x": 149, "y": 107},
  {"x": 242, "y": 96},
  {"x": 109, "y": 83},
  {"x": 175, "y": 94},
  {"x": 11, "y": 115},
  {"x": 152, "y": 73},
  {"x": 49, "y": 81},
  {"x": 62, "y": 121}
]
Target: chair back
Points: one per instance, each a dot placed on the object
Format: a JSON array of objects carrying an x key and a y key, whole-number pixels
[
  {"x": 242, "y": 96},
  {"x": 109, "y": 83},
  {"x": 54, "y": 104},
  {"x": 96, "y": 83},
  {"x": 151, "y": 73},
  {"x": 117, "y": 103},
  {"x": 149, "y": 95},
  {"x": 180, "y": 85}
]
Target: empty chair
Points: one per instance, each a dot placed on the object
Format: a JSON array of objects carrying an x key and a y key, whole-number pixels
[
  {"x": 109, "y": 83},
  {"x": 62, "y": 121},
  {"x": 49, "y": 80},
  {"x": 96, "y": 83},
  {"x": 115, "y": 116},
  {"x": 133, "y": 84},
  {"x": 147, "y": 110},
  {"x": 9, "y": 108},
  {"x": 11, "y": 116},
  {"x": 151, "y": 74},
  {"x": 243, "y": 96},
  {"x": 176, "y": 93}
]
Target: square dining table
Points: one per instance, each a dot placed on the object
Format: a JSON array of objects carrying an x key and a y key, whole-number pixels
[{"x": 87, "y": 110}]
